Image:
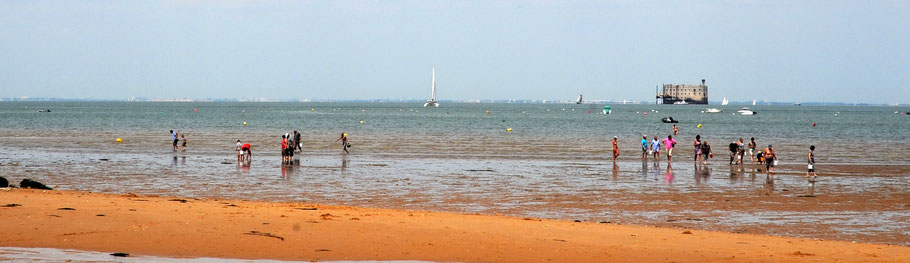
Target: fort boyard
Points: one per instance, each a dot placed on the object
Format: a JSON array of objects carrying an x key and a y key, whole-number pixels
[{"x": 684, "y": 94}]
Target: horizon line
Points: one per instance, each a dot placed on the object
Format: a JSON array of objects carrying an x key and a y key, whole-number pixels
[{"x": 540, "y": 101}]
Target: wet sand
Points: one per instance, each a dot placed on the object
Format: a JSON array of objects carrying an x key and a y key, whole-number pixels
[{"x": 176, "y": 227}]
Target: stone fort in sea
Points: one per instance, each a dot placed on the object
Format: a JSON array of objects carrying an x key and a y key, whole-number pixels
[{"x": 684, "y": 94}]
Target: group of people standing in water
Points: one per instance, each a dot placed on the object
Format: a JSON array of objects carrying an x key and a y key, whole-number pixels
[
  {"x": 176, "y": 140},
  {"x": 290, "y": 143},
  {"x": 703, "y": 152}
]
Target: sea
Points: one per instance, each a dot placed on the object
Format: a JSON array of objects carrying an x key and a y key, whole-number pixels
[{"x": 516, "y": 159}]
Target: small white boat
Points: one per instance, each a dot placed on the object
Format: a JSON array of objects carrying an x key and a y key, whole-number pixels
[
  {"x": 753, "y": 102},
  {"x": 746, "y": 111},
  {"x": 682, "y": 102},
  {"x": 432, "y": 101},
  {"x": 725, "y": 102},
  {"x": 712, "y": 110}
]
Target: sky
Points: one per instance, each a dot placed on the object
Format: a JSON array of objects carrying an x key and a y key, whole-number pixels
[{"x": 801, "y": 51}]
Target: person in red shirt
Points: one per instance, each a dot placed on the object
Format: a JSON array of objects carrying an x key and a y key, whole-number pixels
[
  {"x": 284, "y": 149},
  {"x": 615, "y": 149},
  {"x": 247, "y": 155}
]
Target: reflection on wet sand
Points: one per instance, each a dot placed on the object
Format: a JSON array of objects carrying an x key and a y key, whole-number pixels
[
  {"x": 701, "y": 174},
  {"x": 615, "y": 171},
  {"x": 288, "y": 169},
  {"x": 769, "y": 184},
  {"x": 644, "y": 168},
  {"x": 344, "y": 163},
  {"x": 534, "y": 188}
]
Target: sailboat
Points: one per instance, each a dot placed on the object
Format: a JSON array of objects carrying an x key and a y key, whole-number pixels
[
  {"x": 725, "y": 102},
  {"x": 432, "y": 101},
  {"x": 753, "y": 102},
  {"x": 579, "y": 99}
]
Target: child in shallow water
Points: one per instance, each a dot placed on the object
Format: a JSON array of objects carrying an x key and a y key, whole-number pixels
[{"x": 811, "y": 162}]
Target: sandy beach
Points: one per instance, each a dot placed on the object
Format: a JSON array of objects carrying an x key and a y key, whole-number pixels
[{"x": 177, "y": 227}]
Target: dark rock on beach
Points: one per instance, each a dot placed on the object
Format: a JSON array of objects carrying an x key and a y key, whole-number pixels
[
  {"x": 3, "y": 182},
  {"x": 28, "y": 183}
]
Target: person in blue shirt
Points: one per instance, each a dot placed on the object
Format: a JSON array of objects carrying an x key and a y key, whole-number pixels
[
  {"x": 174, "y": 137},
  {"x": 655, "y": 148},
  {"x": 644, "y": 147}
]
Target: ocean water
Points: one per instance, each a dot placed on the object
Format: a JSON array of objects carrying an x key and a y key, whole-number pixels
[{"x": 460, "y": 157}]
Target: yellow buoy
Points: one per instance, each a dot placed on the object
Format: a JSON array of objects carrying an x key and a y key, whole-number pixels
[
  {"x": 345, "y": 135},
  {"x": 313, "y": 109},
  {"x": 699, "y": 125},
  {"x": 361, "y": 121},
  {"x": 244, "y": 123},
  {"x": 509, "y": 129},
  {"x": 119, "y": 140}
]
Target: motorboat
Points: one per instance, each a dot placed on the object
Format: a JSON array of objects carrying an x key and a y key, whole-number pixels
[
  {"x": 669, "y": 120},
  {"x": 44, "y": 110},
  {"x": 432, "y": 101},
  {"x": 746, "y": 111},
  {"x": 712, "y": 110}
]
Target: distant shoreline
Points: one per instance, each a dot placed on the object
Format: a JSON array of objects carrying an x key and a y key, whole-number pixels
[{"x": 420, "y": 101}]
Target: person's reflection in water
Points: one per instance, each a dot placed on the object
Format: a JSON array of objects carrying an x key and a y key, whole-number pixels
[
  {"x": 344, "y": 163},
  {"x": 769, "y": 184},
  {"x": 615, "y": 170},
  {"x": 288, "y": 169},
  {"x": 706, "y": 174},
  {"x": 669, "y": 176},
  {"x": 182, "y": 160},
  {"x": 244, "y": 166},
  {"x": 702, "y": 174},
  {"x": 656, "y": 171},
  {"x": 811, "y": 185},
  {"x": 644, "y": 168},
  {"x": 174, "y": 163}
]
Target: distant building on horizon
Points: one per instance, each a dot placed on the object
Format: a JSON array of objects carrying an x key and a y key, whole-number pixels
[{"x": 684, "y": 94}]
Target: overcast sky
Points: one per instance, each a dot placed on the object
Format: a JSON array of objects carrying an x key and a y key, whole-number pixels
[{"x": 850, "y": 51}]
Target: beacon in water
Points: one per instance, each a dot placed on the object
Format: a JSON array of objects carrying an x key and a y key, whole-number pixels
[
  {"x": 195, "y": 109},
  {"x": 119, "y": 140},
  {"x": 244, "y": 123}
]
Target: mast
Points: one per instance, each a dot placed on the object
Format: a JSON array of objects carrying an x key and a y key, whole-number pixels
[{"x": 433, "y": 94}]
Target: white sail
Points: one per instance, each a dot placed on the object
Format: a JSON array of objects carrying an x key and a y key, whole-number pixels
[
  {"x": 579, "y": 99},
  {"x": 725, "y": 102},
  {"x": 432, "y": 101},
  {"x": 433, "y": 94},
  {"x": 753, "y": 102}
]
